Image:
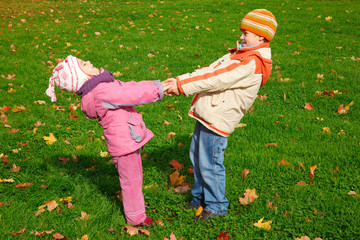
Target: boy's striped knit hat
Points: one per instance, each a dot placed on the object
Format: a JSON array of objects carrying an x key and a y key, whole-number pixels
[{"x": 261, "y": 22}]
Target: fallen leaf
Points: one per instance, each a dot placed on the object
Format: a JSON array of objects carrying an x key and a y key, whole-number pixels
[
  {"x": 58, "y": 236},
  {"x": 353, "y": 193},
  {"x": 326, "y": 130},
  {"x": 244, "y": 172},
  {"x": 166, "y": 123},
  {"x": 43, "y": 233},
  {"x": 84, "y": 216},
  {"x": 199, "y": 211},
  {"x": 241, "y": 125},
  {"x": 23, "y": 185},
  {"x": 301, "y": 183},
  {"x": 176, "y": 164},
  {"x": 19, "y": 232},
  {"x": 270, "y": 206},
  {"x": 19, "y": 109},
  {"x": 308, "y": 106},
  {"x": 50, "y": 139},
  {"x": 15, "y": 168},
  {"x": 176, "y": 179},
  {"x": 134, "y": 231},
  {"x": 170, "y": 135},
  {"x": 303, "y": 238},
  {"x": 183, "y": 188},
  {"x": 172, "y": 237},
  {"x": 223, "y": 236},
  {"x": 265, "y": 225},
  {"x": 312, "y": 169},
  {"x": 249, "y": 197},
  {"x": 283, "y": 162},
  {"x": 271, "y": 144},
  {"x": 41, "y": 102},
  {"x": 51, "y": 205}
]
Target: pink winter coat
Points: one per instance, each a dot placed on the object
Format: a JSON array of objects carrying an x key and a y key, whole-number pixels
[{"x": 112, "y": 102}]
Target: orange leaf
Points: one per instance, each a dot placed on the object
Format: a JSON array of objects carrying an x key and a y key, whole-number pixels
[
  {"x": 301, "y": 183},
  {"x": 190, "y": 170},
  {"x": 176, "y": 164},
  {"x": 170, "y": 135},
  {"x": 19, "y": 109},
  {"x": 166, "y": 123},
  {"x": 342, "y": 109},
  {"x": 245, "y": 172},
  {"x": 271, "y": 144},
  {"x": 57, "y": 236},
  {"x": 172, "y": 237},
  {"x": 312, "y": 169},
  {"x": 19, "y": 232},
  {"x": 283, "y": 162},
  {"x": 174, "y": 178},
  {"x": 84, "y": 216},
  {"x": 23, "y": 185},
  {"x": 249, "y": 197},
  {"x": 308, "y": 106},
  {"x": 134, "y": 231}
]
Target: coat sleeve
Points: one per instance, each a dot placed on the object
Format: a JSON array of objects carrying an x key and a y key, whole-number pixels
[
  {"x": 125, "y": 94},
  {"x": 236, "y": 74}
]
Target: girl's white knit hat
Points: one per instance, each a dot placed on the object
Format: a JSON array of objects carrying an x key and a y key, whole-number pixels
[{"x": 67, "y": 76}]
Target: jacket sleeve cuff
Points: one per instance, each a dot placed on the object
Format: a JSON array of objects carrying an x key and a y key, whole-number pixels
[
  {"x": 179, "y": 86},
  {"x": 161, "y": 89}
]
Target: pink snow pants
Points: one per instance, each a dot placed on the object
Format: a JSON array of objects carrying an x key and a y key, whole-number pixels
[{"x": 130, "y": 172}]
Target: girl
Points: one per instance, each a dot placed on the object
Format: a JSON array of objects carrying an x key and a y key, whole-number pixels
[{"x": 112, "y": 103}]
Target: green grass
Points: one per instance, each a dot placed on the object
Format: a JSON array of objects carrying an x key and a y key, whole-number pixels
[{"x": 182, "y": 35}]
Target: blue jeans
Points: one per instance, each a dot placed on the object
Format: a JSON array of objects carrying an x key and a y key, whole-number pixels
[{"x": 207, "y": 156}]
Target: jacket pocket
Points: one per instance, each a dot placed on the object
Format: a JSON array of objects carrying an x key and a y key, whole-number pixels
[
  {"x": 217, "y": 98},
  {"x": 137, "y": 129}
]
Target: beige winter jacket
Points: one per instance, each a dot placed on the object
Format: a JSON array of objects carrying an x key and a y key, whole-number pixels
[{"x": 227, "y": 88}]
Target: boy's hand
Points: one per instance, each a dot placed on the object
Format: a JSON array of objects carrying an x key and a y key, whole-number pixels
[{"x": 172, "y": 87}]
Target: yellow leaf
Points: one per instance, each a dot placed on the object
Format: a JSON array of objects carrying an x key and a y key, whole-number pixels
[
  {"x": 104, "y": 154},
  {"x": 261, "y": 224},
  {"x": 50, "y": 139},
  {"x": 199, "y": 211},
  {"x": 241, "y": 125},
  {"x": 10, "y": 180},
  {"x": 66, "y": 200}
]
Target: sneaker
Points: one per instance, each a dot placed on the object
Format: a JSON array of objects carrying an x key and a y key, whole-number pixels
[
  {"x": 205, "y": 215},
  {"x": 148, "y": 222}
]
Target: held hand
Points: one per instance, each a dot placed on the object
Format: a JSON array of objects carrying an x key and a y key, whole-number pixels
[{"x": 172, "y": 87}]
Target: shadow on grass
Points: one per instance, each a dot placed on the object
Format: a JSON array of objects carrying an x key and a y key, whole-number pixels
[{"x": 102, "y": 174}]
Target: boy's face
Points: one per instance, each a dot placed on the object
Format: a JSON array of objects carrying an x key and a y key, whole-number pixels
[
  {"x": 87, "y": 67},
  {"x": 250, "y": 39}
]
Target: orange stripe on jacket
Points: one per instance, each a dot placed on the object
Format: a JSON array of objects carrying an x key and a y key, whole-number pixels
[
  {"x": 229, "y": 68},
  {"x": 209, "y": 125}
]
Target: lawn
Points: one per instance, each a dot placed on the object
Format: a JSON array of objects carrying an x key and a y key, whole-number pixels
[{"x": 300, "y": 142}]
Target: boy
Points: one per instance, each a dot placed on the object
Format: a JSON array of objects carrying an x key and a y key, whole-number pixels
[{"x": 224, "y": 91}]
